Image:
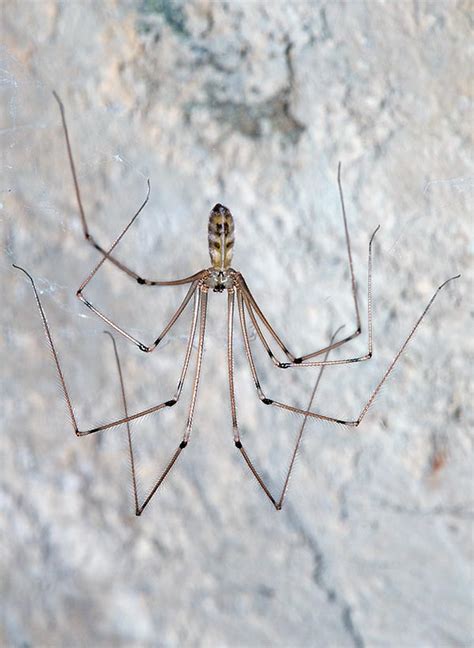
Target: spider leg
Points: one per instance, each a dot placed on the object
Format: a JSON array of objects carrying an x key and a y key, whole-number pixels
[
  {"x": 192, "y": 405},
  {"x": 351, "y": 270},
  {"x": 373, "y": 395},
  {"x": 291, "y": 357},
  {"x": 303, "y": 425},
  {"x": 140, "y": 345},
  {"x": 277, "y": 503},
  {"x": 233, "y": 405},
  {"x": 230, "y": 363},
  {"x": 125, "y": 410},
  {"x": 127, "y": 418},
  {"x": 193, "y": 280},
  {"x": 254, "y": 311},
  {"x": 202, "y": 330},
  {"x": 85, "y": 228}
]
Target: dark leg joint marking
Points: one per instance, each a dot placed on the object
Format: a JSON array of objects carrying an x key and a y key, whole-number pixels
[
  {"x": 157, "y": 341},
  {"x": 270, "y": 353},
  {"x": 284, "y": 365},
  {"x": 267, "y": 401},
  {"x": 238, "y": 444},
  {"x": 140, "y": 281},
  {"x": 298, "y": 360},
  {"x": 171, "y": 402},
  {"x": 183, "y": 444},
  {"x": 143, "y": 348}
]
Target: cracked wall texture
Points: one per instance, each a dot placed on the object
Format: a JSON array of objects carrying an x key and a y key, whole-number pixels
[{"x": 252, "y": 105}]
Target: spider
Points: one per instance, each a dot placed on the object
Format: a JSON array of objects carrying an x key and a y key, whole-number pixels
[{"x": 218, "y": 278}]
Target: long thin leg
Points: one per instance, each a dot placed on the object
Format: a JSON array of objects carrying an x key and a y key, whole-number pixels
[
  {"x": 193, "y": 279},
  {"x": 351, "y": 269},
  {"x": 365, "y": 408},
  {"x": 230, "y": 364},
  {"x": 85, "y": 228},
  {"x": 130, "y": 417},
  {"x": 291, "y": 357},
  {"x": 277, "y": 503},
  {"x": 253, "y": 308},
  {"x": 140, "y": 345},
  {"x": 202, "y": 332},
  {"x": 299, "y": 438},
  {"x": 107, "y": 253},
  {"x": 192, "y": 405},
  {"x": 233, "y": 405},
  {"x": 125, "y": 410}
]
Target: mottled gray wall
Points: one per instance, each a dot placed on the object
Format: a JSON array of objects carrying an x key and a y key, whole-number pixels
[{"x": 251, "y": 104}]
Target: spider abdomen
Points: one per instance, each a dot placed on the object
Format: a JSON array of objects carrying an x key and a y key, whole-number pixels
[{"x": 221, "y": 237}]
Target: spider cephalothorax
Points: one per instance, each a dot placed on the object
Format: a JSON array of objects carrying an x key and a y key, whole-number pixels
[{"x": 220, "y": 280}]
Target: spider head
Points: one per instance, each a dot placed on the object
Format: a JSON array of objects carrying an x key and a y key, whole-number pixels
[{"x": 221, "y": 237}]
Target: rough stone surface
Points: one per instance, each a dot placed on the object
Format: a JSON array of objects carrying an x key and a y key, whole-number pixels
[{"x": 252, "y": 105}]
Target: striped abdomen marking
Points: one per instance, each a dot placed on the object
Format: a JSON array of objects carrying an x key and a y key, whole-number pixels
[{"x": 221, "y": 237}]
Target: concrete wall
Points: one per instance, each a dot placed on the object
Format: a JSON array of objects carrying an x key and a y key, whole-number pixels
[{"x": 250, "y": 104}]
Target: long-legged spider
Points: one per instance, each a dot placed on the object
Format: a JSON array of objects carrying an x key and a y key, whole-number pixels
[{"x": 220, "y": 277}]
